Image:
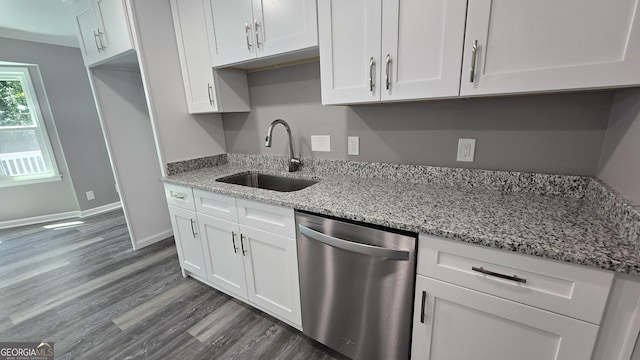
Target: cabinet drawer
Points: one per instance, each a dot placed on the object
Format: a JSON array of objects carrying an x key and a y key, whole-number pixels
[
  {"x": 274, "y": 219},
  {"x": 568, "y": 289},
  {"x": 217, "y": 205},
  {"x": 179, "y": 196}
]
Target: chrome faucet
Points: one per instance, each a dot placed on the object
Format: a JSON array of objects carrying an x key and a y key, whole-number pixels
[{"x": 294, "y": 163}]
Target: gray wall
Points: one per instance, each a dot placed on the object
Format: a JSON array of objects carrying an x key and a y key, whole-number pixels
[
  {"x": 67, "y": 86},
  {"x": 620, "y": 160},
  {"x": 181, "y": 135},
  {"x": 556, "y": 133}
]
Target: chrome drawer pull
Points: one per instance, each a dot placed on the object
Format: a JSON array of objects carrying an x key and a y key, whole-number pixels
[
  {"x": 474, "y": 56},
  {"x": 247, "y": 29},
  {"x": 193, "y": 230},
  {"x": 424, "y": 299},
  {"x": 233, "y": 240},
  {"x": 387, "y": 78},
  {"x": 244, "y": 252},
  {"x": 178, "y": 196},
  {"x": 502, "y": 276},
  {"x": 372, "y": 63}
]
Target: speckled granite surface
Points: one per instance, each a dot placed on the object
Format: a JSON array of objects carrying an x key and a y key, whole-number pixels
[
  {"x": 195, "y": 164},
  {"x": 516, "y": 218},
  {"x": 507, "y": 181}
]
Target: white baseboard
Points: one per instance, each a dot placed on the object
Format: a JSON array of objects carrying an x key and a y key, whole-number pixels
[
  {"x": 38, "y": 219},
  {"x": 139, "y": 244},
  {"x": 60, "y": 216},
  {"x": 100, "y": 209}
]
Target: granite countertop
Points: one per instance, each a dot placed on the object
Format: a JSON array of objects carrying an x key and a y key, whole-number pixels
[{"x": 554, "y": 227}]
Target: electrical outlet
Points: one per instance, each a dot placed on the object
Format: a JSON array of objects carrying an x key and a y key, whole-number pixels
[
  {"x": 321, "y": 143},
  {"x": 90, "y": 195},
  {"x": 353, "y": 145},
  {"x": 466, "y": 150}
]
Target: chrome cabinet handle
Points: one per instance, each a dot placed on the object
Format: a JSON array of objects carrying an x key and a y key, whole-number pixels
[
  {"x": 95, "y": 38},
  {"x": 210, "y": 91},
  {"x": 247, "y": 32},
  {"x": 193, "y": 231},
  {"x": 387, "y": 77},
  {"x": 474, "y": 55},
  {"x": 354, "y": 246},
  {"x": 244, "y": 252},
  {"x": 233, "y": 240},
  {"x": 372, "y": 64},
  {"x": 422, "y": 311},
  {"x": 178, "y": 196},
  {"x": 502, "y": 276},
  {"x": 256, "y": 25},
  {"x": 100, "y": 33}
]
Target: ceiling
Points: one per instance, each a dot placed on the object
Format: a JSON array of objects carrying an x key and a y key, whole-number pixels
[{"x": 47, "y": 21}]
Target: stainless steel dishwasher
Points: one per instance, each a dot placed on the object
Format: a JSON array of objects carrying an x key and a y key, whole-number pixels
[{"x": 356, "y": 286}]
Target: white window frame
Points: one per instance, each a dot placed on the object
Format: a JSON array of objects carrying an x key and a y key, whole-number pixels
[{"x": 22, "y": 74}]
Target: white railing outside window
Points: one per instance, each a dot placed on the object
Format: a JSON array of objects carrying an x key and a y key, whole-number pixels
[{"x": 22, "y": 163}]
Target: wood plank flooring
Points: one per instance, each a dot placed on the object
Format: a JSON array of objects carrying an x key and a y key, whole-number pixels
[{"x": 85, "y": 289}]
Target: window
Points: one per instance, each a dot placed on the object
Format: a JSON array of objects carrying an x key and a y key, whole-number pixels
[{"x": 25, "y": 150}]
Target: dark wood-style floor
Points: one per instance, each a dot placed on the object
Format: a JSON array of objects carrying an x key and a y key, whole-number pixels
[{"x": 85, "y": 289}]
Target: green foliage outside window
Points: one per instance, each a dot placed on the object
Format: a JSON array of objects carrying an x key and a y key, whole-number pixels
[{"x": 13, "y": 104}]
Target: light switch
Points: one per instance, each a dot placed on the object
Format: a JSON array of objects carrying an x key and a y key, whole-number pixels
[
  {"x": 90, "y": 195},
  {"x": 321, "y": 143}
]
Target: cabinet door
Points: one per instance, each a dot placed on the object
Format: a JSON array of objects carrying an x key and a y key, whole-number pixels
[
  {"x": 529, "y": 46},
  {"x": 271, "y": 267},
  {"x": 421, "y": 48},
  {"x": 452, "y": 322},
  {"x": 284, "y": 26},
  {"x": 113, "y": 23},
  {"x": 193, "y": 50},
  {"x": 185, "y": 233},
  {"x": 87, "y": 27},
  {"x": 223, "y": 254},
  {"x": 349, "y": 38},
  {"x": 231, "y": 32}
]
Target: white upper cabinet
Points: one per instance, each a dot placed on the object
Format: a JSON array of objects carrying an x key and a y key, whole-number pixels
[
  {"x": 546, "y": 45},
  {"x": 349, "y": 36},
  {"x": 284, "y": 25},
  {"x": 396, "y": 50},
  {"x": 87, "y": 25},
  {"x": 417, "y": 59},
  {"x": 243, "y": 30},
  {"x": 386, "y": 50},
  {"x": 206, "y": 90},
  {"x": 103, "y": 29}
]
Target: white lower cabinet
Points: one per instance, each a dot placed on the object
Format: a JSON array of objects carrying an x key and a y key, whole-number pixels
[
  {"x": 271, "y": 268},
  {"x": 188, "y": 244},
  {"x": 257, "y": 264},
  {"x": 224, "y": 258},
  {"x": 453, "y": 322},
  {"x": 475, "y": 302}
]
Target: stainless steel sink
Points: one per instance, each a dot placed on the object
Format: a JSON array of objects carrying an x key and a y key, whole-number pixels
[{"x": 266, "y": 181}]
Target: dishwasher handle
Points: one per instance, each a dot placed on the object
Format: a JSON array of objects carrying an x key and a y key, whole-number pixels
[{"x": 354, "y": 246}]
